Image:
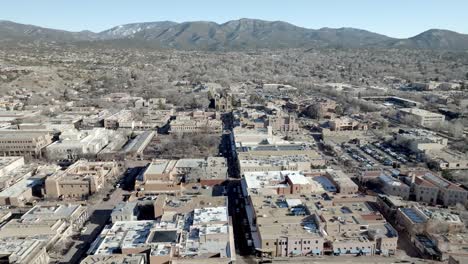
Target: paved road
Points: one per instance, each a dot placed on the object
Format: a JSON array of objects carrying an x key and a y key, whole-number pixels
[
  {"x": 99, "y": 215},
  {"x": 239, "y": 218},
  {"x": 236, "y": 200}
]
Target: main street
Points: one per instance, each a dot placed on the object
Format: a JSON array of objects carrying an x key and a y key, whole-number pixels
[{"x": 236, "y": 198}]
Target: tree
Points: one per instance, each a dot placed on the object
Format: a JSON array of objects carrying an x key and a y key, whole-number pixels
[
  {"x": 409, "y": 120},
  {"x": 455, "y": 129},
  {"x": 339, "y": 110},
  {"x": 437, "y": 227},
  {"x": 313, "y": 111}
]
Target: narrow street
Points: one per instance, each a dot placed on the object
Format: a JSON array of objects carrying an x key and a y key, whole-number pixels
[
  {"x": 236, "y": 199},
  {"x": 99, "y": 215}
]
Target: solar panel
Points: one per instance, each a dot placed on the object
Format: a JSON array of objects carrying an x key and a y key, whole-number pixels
[
  {"x": 413, "y": 215},
  {"x": 431, "y": 177}
]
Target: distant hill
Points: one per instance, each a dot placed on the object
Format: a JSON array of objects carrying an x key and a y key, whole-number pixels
[
  {"x": 434, "y": 39},
  {"x": 240, "y": 34},
  {"x": 233, "y": 35},
  {"x": 10, "y": 31}
]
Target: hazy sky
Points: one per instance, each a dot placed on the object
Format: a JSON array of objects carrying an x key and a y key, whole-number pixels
[{"x": 395, "y": 18}]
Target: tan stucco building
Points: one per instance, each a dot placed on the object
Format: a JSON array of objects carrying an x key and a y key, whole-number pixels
[
  {"x": 23, "y": 143},
  {"x": 80, "y": 180}
]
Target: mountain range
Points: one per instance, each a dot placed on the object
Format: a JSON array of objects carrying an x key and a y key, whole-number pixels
[{"x": 239, "y": 34}]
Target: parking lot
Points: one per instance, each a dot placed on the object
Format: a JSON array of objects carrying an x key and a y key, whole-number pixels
[{"x": 376, "y": 154}]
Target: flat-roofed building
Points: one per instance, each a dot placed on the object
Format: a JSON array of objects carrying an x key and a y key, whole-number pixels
[
  {"x": 412, "y": 219},
  {"x": 115, "y": 259},
  {"x": 9, "y": 170},
  {"x": 443, "y": 221},
  {"x": 274, "y": 163},
  {"x": 427, "y": 247},
  {"x": 193, "y": 170},
  {"x": 343, "y": 181},
  {"x": 18, "y": 187},
  {"x": 158, "y": 177},
  {"x": 8, "y": 164},
  {"x": 394, "y": 187},
  {"x": 337, "y": 222},
  {"x": 23, "y": 143},
  {"x": 135, "y": 147},
  {"x": 197, "y": 232},
  {"x": 113, "y": 150},
  {"x": 94, "y": 118},
  {"x": 159, "y": 117},
  {"x": 357, "y": 229},
  {"x": 418, "y": 140},
  {"x": 124, "y": 237},
  {"x": 280, "y": 183},
  {"x": 284, "y": 227},
  {"x": 23, "y": 251},
  {"x": 50, "y": 231},
  {"x": 289, "y": 238},
  {"x": 455, "y": 245},
  {"x": 386, "y": 238},
  {"x": 346, "y": 124},
  {"x": 282, "y": 123},
  {"x": 125, "y": 211},
  {"x": 307, "y": 225},
  {"x": 80, "y": 180},
  {"x": 113, "y": 121},
  {"x": 75, "y": 214},
  {"x": 19, "y": 193},
  {"x": 448, "y": 159},
  {"x": 171, "y": 175},
  {"x": 185, "y": 204},
  {"x": 388, "y": 205},
  {"x": 187, "y": 125},
  {"x": 196, "y": 122},
  {"x": 210, "y": 234},
  {"x": 421, "y": 117},
  {"x": 76, "y": 144},
  {"x": 244, "y": 137}
]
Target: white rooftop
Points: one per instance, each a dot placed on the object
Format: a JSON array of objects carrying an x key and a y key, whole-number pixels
[
  {"x": 210, "y": 214},
  {"x": 124, "y": 234},
  {"x": 297, "y": 178}
]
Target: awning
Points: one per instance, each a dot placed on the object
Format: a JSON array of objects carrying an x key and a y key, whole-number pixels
[
  {"x": 296, "y": 252},
  {"x": 366, "y": 250}
]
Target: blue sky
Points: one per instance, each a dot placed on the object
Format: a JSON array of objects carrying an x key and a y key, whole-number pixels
[{"x": 395, "y": 18}]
